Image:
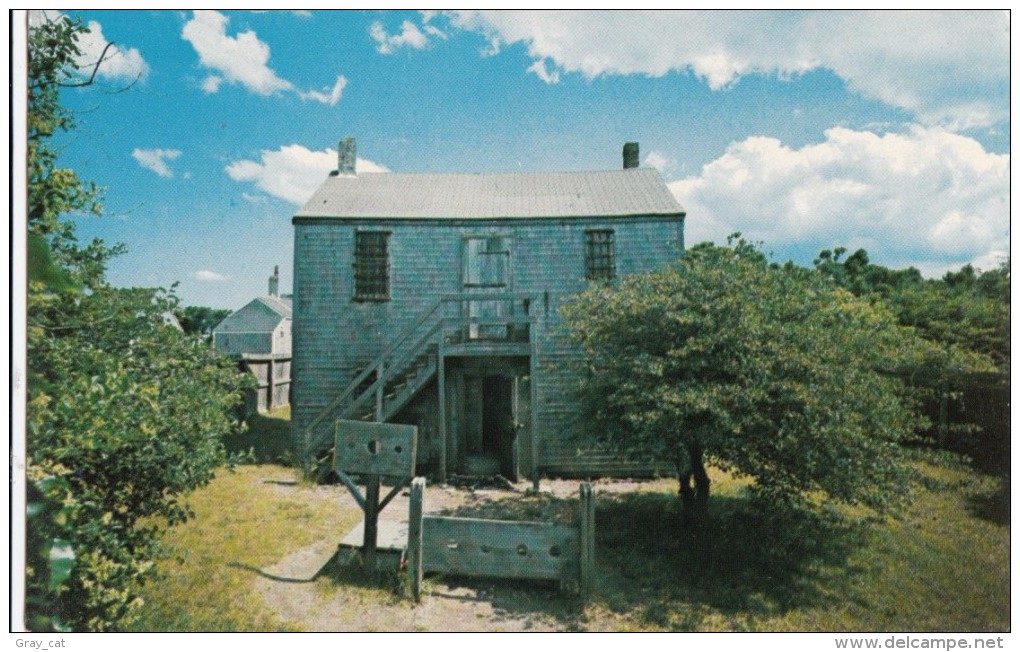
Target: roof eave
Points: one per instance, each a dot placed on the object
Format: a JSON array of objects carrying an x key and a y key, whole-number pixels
[{"x": 307, "y": 218}]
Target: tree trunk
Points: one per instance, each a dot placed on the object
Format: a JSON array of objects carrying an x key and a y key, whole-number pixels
[
  {"x": 701, "y": 481},
  {"x": 694, "y": 496}
]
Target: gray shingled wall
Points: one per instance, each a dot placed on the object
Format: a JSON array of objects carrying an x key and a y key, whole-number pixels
[{"x": 334, "y": 337}]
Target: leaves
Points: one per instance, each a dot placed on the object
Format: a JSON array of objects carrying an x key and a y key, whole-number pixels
[
  {"x": 776, "y": 372},
  {"x": 61, "y": 562},
  {"x": 125, "y": 414}
]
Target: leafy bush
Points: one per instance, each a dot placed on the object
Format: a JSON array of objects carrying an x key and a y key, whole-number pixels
[
  {"x": 766, "y": 371},
  {"x": 125, "y": 414},
  {"x": 965, "y": 318}
]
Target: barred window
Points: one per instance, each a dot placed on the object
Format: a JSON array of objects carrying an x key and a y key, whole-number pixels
[
  {"x": 599, "y": 255},
  {"x": 371, "y": 266}
]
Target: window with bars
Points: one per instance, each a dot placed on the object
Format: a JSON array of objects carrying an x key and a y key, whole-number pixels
[
  {"x": 599, "y": 255},
  {"x": 371, "y": 266}
]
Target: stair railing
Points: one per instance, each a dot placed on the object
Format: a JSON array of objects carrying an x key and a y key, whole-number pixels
[
  {"x": 396, "y": 357},
  {"x": 392, "y": 369},
  {"x": 379, "y": 362}
]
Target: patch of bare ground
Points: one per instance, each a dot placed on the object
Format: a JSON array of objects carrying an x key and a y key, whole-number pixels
[{"x": 320, "y": 589}]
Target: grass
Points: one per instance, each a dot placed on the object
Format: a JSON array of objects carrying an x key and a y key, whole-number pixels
[
  {"x": 266, "y": 441},
  {"x": 243, "y": 521},
  {"x": 941, "y": 565}
]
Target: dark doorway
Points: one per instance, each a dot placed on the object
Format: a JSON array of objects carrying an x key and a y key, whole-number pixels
[{"x": 499, "y": 428}]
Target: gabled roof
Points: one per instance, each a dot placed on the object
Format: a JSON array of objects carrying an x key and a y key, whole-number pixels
[
  {"x": 260, "y": 315},
  {"x": 279, "y": 305},
  {"x": 636, "y": 191}
]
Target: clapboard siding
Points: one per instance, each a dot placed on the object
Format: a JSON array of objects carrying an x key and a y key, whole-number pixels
[{"x": 336, "y": 336}]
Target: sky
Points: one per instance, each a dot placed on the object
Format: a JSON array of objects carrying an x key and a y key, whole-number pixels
[{"x": 803, "y": 130}]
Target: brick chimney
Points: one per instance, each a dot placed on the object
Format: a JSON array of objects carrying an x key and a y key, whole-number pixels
[
  {"x": 630, "y": 156},
  {"x": 274, "y": 282},
  {"x": 347, "y": 155}
]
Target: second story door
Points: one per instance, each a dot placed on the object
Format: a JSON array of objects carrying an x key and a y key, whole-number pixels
[{"x": 487, "y": 273}]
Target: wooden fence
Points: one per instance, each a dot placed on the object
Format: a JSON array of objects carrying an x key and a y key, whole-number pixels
[{"x": 272, "y": 370}]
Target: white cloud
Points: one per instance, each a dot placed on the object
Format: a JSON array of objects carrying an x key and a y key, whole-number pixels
[
  {"x": 208, "y": 275},
  {"x": 332, "y": 97},
  {"x": 409, "y": 36},
  {"x": 243, "y": 59},
  {"x": 301, "y": 13},
  {"x": 119, "y": 64},
  {"x": 948, "y": 68},
  {"x": 541, "y": 70},
  {"x": 240, "y": 60},
  {"x": 155, "y": 160},
  {"x": 364, "y": 166},
  {"x": 658, "y": 160},
  {"x": 211, "y": 84},
  {"x": 292, "y": 172},
  {"x": 926, "y": 198}
]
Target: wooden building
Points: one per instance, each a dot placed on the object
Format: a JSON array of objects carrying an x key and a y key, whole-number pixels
[
  {"x": 433, "y": 300},
  {"x": 258, "y": 335}
]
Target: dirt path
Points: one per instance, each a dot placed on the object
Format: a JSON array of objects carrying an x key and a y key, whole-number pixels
[{"x": 335, "y": 600}]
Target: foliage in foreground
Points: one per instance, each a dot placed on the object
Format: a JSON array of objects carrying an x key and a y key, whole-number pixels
[
  {"x": 125, "y": 414},
  {"x": 764, "y": 371}
]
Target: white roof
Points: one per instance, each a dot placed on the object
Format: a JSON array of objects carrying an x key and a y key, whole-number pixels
[
  {"x": 279, "y": 305},
  {"x": 635, "y": 191},
  {"x": 260, "y": 315}
]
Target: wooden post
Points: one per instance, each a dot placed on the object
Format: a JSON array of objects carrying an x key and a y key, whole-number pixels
[
  {"x": 444, "y": 438},
  {"x": 536, "y": 430},
  {"x": 270, "y": 403},
  {"x": 371, "y": 521},
  {"x": 587, "y": 581},
  {"x": 414, "y": 539},
  {"x": 381, "y": 387}
]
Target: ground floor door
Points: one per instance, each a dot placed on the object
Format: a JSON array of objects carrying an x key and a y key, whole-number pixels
[
  {"x": 499, "y": 422},
  {"x": 488, "y": 414}
]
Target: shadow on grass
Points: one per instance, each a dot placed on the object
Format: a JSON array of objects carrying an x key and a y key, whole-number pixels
[
  {"x": 270, "y": 576},
  {"x": 992, "y": 506},
  {"x": 266, "y": 441},
  {"x": 345, "y": 568},
  {"x": 745, "y": 561}
]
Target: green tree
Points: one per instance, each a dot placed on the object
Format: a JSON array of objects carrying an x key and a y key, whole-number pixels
[
  {"x": 53, "y": 192},
  {"x": 966, "y": 310},
  {"x": 765, "y": 371},
  {"x": 125, "y": 414},
  {"x": 964, "y": 316},
  {"x": 200, "y": 320}
]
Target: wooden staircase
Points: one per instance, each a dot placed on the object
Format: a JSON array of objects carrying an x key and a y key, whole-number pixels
[
  {"x": 391, "y": 380},
  {"x": 396, "y": 389}
]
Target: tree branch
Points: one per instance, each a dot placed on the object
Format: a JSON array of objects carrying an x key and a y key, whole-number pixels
[{"x": 95, "y": 69}]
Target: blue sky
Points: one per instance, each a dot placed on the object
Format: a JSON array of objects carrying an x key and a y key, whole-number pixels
[{"x": 888, "y": 131}]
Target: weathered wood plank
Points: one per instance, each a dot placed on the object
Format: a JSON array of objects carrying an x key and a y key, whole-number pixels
[
  {"x": 393, "y": 492},
  {"x": 375, "y": 448},
  {"x": 391, "y": 537},
  {"x": 486, "y": 548},
  {"x": 414, "y": 538},
  {"x": 371, "y": 520},
  {"x": 353, "y": 488}
]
